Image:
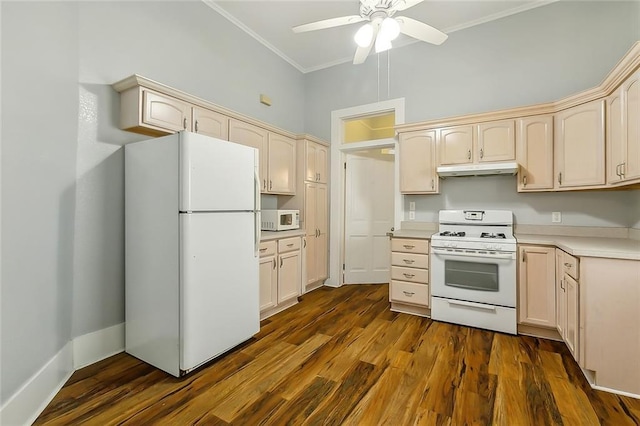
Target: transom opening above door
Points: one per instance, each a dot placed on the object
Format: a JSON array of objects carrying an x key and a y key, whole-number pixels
[{"x": 373, "y": 127}]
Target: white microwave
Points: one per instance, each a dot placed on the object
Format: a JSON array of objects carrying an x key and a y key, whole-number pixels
[{"x": 280, "y": 220}]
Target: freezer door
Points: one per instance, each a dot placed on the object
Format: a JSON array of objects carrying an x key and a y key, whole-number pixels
[
  {"x": 219, "y": 289},
  {"x": 216, "y": 175}
]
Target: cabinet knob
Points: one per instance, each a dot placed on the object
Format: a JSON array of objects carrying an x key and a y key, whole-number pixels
[
  {"x": 524, "y": 180},
  {"x": 304, "y": 242},
  {"x": 408, "y": 246},
  {"x": 560, "y": 178},
  {"x": 196, "y": 126},
  {"x": 281, "y": 262},
  {"x": 408, "y": 293},
  {"x": 623, "y": 169},
  {"x": 408, "y": 261},
  {"x": 274, "y": 263},
  {"x": 270, "y": 184},
  {"x": 481, "y": 152},
  {"x": 408, "y": 275},
  {"x": 469, "y": 155},
  {"x": 432, "y": 184}
]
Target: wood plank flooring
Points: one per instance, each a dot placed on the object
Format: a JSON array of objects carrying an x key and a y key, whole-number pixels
[{"x": 341, "y": 357}]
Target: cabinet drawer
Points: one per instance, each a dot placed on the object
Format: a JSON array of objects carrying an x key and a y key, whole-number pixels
[
  {"x": 416, "y": 294},
  {"x": 570, "y": 265},
  {"x": 410, "y": 246},
  {"x": 288, "y": 244},
  {"x": 410, "y": 259},
  {"x": 267, "y": 248},
  {"x": 410, "y": 274}
]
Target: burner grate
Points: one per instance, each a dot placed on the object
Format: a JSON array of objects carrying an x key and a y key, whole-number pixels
[
  {"x": 453, "y": 234},
  {"x": 492, "y": 235}
]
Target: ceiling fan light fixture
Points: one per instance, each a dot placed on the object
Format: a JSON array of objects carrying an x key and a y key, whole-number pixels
[
  {"x": 364, "y": 35},
  {"x": 390, "y": 29},
  {"x": 382, "y": 44}
]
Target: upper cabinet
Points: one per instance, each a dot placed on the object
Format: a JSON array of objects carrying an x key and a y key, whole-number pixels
[
  {"x": 455, "y": 145},
  {"x": 480, "y": 143},
  {"x": 579, "y": 146},
  {"x": 281, "y": 164},
  {"x": 623, "y": 132},
  {"x": 210, "y": 123},
  {"x": 495, "y": 141},
  {"x": 534, "y": 138},
  {"x": 316, "y": 162},
  {"x": 256, "y": 137},
  {"x": 418, "y": 163},
  {"x": 277, "y": 155}
]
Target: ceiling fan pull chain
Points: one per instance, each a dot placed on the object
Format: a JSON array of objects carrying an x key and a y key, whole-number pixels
[
  {"x": 388, "y": 74},
  {"x": 378, "y": 58}
]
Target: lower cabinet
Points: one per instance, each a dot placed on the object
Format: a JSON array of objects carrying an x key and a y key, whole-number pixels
[
  {"x": 537, "y": 286},
  {"x": 280, "y": 275},
  {"x": 409, "y": 286},
  {"x": 568, "y": 300}
]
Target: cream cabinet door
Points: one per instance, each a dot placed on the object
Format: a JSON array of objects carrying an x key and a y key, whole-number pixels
[
  {"x": 256, "y": 137},
  {"x": 496, "y": 141},
  {"x": 289, "y": 275},
  {"x": 573, "y": 315},
  {"x": 631, "y": 93},
  {"x": 537, "y": 286},
  {"x": 455, "y": 145},
  {"x": 210, "y": 123},
  {"x": 579, "y": 146},
  {"x": 561, "y": 295},
  {"x": 268, "y": 282},
  {"x": 282, "y": 164},
  {"x": 322, "y": 163},
  {"x": 311, "y": 228},
  {"x": 311, "y": 160},
  {"x": 534, "y": 138},
  {"x": 417, "y": 162},
  {"x": 165, "y": 112}
]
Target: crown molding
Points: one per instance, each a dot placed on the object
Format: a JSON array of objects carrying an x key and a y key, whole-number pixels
[
  {"x": 629, "y": 63},
  {"x": 253, "y": 34}
]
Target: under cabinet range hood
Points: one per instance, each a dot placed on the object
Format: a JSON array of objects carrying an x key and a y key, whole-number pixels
[{"x": 510, "y": 168}]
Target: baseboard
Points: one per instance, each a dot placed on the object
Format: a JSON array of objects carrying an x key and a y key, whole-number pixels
[
  {"x": 24, "y": 407},
  {"x": 93, "y": 347}
]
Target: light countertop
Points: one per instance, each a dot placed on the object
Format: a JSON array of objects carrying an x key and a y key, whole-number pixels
[
  {"x": 277, "y": 235},
  {"x": 616, "y": 248},
  {"x": 413, "y": 233}
]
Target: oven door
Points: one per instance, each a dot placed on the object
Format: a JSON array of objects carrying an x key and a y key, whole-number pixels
[{"x": 474, "y": 276}]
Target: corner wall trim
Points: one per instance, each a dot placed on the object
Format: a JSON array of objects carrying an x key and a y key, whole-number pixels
[
  {"x": 31, "y": 399},
  {"x": 24, "y": 407},
  {"x": 93, "y": 347}
]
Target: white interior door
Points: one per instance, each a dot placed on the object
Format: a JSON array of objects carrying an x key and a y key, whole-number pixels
[{"x": 368, "y": 217}]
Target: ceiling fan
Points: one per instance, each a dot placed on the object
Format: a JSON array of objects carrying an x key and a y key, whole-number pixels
[{"x": 382, "y": 27}]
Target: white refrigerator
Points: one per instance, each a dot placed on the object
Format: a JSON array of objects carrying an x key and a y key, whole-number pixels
[{"x": 192, "y": 225}]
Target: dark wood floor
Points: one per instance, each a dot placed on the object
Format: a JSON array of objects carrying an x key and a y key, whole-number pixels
[{"x": 340, "y": 357}]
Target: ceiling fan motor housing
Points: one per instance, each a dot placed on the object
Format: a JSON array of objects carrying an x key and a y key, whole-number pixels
[{"x": 372, "y": 9}]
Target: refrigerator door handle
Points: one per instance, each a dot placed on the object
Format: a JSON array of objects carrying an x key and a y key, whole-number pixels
[{"x": 256, "y": 214}]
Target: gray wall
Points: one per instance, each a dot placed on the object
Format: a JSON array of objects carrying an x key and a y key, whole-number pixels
[
  {"x": 578, "y": 208},
  {"x": 536, "y": 56},
  {"x": 62, "y": 163},
  {"x": 39, "y": 115}
]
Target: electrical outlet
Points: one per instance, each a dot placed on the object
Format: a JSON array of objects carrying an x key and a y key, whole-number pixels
[
  {"x": 556, "y": 217},
  {"x": 412, "y": 205},
  {"x": 412, "y": 215}
]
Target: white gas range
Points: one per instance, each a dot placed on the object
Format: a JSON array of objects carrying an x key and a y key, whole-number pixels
[{"x": 473, "y": 269}]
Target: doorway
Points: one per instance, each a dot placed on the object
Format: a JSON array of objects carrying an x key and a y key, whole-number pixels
[{"x": 341, "y": 152}]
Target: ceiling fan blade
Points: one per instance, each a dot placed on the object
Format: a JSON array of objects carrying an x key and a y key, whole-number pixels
[
  {"x": 420, "y": 30},
  {"x": 406, "y": 4},
  {"x": 363, "y": 52},
  {"x": 328, "y": 23}
]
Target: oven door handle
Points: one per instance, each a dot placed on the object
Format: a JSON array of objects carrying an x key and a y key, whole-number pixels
[
  {"x": 484, "y": 256},
  {"x": 472, "y": 305}
]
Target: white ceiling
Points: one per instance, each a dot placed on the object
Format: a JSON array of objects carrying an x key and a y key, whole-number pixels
[{"x": 270, "y": 23}]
